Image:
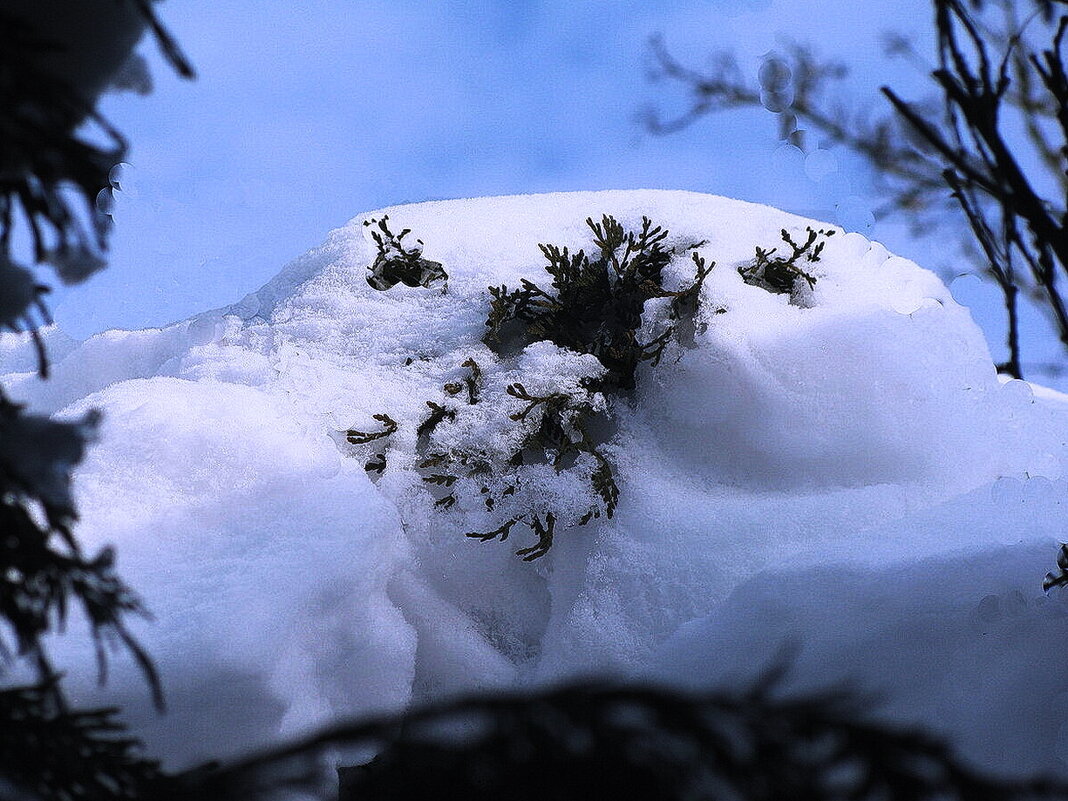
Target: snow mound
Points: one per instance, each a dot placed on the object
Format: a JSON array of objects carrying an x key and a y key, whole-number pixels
[{"x": 848, "y": 473}]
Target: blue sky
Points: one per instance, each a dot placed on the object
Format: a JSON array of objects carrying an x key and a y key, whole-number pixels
[{"x": 306, "y": 114}]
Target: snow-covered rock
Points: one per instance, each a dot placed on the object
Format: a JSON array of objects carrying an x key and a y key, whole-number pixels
[{"x": 849, "y": 475}]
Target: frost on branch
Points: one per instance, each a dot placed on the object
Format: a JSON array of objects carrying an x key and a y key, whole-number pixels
[{"x": 784, "y": 275}]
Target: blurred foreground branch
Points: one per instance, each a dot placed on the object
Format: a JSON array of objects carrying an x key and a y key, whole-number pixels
[
  {"x": 582, "y": 742},
  {"x": 995, "y": 141}
]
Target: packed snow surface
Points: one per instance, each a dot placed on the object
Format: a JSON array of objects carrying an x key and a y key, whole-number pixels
[{"x": 846, "y": 477}]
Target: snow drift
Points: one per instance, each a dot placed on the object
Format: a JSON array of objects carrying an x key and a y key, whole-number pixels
[{"x": 850, "y": 477}]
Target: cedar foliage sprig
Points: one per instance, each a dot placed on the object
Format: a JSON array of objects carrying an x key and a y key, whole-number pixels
[
  {"x": 398, "y": 263},
  {"x": 377, "y": 462},
  {"x": 560, "y": 436},
  {"x": 783, "y": 274},
  {"x": 389, "y": 425},
  {"x": 58, "y": 151},
  {"x": 598, "y": 303},
  {"x": 473, "y": 382}
]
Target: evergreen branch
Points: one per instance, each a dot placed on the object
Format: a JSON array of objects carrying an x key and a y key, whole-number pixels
[
  {"x": 389, "y": 427},
  {"x": 544, "y": 531},
  {"x": 501, "y": 532},
  {"x": 397, "y": 263},
  {"x": 618, "y": 741}
]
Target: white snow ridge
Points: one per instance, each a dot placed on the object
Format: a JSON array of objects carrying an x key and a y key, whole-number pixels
[{"x": 847, "y": 475}]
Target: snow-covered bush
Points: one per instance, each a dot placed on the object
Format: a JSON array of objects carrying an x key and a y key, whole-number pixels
[
  {"x": 848, "y": 475},
  {"x": 567, "y": 355}
]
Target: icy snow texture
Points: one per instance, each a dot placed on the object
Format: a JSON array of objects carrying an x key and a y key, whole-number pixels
[{"x": 851, "y": 477}]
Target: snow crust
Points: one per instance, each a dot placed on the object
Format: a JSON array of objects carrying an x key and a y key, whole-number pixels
[{"x": 850, "y": 479}]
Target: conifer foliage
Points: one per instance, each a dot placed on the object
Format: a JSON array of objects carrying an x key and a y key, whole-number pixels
[
  {"x": 598, "y": 303},
  {"x": 595, "y": 310},
  {"x": 397, "y": 262},
  {"x": 783, "y": 274}
]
